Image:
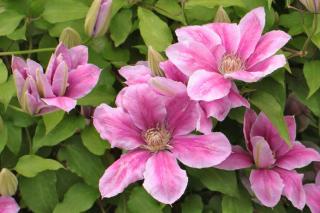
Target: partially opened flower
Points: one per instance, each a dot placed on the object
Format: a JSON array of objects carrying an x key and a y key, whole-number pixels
[
  {"x": 68, "y": 77},
  {"x": 313, "y": 195},
  {"x": 175, "y": 83},
  {"x": 213, "y": 55},
  {"x": 274, "y": 161},
  {"x": 8, "y": 205},
  {"x": 156, "y": 132}
]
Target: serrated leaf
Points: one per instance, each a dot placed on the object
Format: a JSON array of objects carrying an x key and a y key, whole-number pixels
[
  {"x": 39, "y": 193},
  {"x": 153, "y": 30},
  {"x": 32, "y": 165},
  {"x": 79, "y": 198},
  {"x": 80, "y": 161},
  {"x": 269, "y": 105}
]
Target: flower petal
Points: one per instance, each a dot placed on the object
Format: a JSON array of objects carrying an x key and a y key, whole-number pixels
[
  {"x": 267, "y": 186},
  {"x": 201, "y": 151},
  {"x": 116, "y": 126},
  {"x": 182, "y": 115},
  {"x": 208, "y": 86},
  {"x": 135, "y": 74},
  {"x": 313, "y": 197},
  {"x": 126, "y": 170},
  {"x": 229, "y": 35},
  {"x": 238, "y": 159},
  {"x": 262, "y": 154},
  {"x": 163, "y": 178},
  {"x": 200, "y": 34},
  {"x": 251, "y": 27},
  {"x": 268, "y": 45},
  {"x": 172, "y": 72},
  {"x": 79, "y": 56},
  {"x": 250, "y": 117},
  {"x": 8, "y": 205},
  {"x": 297, "y": 157},
  {"x": 218, "y": 109},
  {"x": 190, "y": 56},
  {"x": 64, "y": 103},
  {"x": 145, "y": 107},
  {"x": 204, "y": 123},
  {"x": 293, "y": 188},
  {"x": 82, "y": 80},
  {"x": 168, "y": 87}
]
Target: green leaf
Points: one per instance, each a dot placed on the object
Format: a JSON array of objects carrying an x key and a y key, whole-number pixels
[
  {"x": 46, "y": 41},
  {"x": 269, "y": 105},
  {"x": 100, "y": 94},
  {"x": 8, "y": 90},
  {"x": 79, "y": 198},
  {"x": 19, "y": 34},
  {"x": 292, "y": 21},
  {"x": 64, "y": 10},
  {"x": 82, "y": 162},
  {"x": 170, "y": 9},
  {"x": 9, "y": 21},
  {"x": 141, "y": 201},
  {"x": 3, "y": 72},
  {"x": 120, "y": 26},
  {"x": 215, "y": 3},
  {"x": 66, "y": 128},
  {"x": 14, "y": 137},
  {"x": 51, "y": 120},
  {"x": 91, "y": 139},
  {"x": 217, "y": 180},
  {"x": 192, "y": 204},
  {"x": 32, "y": 165},
  {"x": 237, "y": 204},
  {"x": 39, "y": 193},
  {"x": 3, "y": 134},
  {"x": 153, "y": 30},
  {"x": 311, "y": 74}
]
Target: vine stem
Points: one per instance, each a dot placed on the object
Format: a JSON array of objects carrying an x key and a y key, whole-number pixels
[{"x": 23, "y": 52}]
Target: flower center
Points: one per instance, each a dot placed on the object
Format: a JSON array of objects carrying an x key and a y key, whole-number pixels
[
  {"x": 230, "y": 63},
  {"x": 157, "y": 139}
]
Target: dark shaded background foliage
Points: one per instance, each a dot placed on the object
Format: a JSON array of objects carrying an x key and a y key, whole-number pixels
[{"x": 59, "y": 157}]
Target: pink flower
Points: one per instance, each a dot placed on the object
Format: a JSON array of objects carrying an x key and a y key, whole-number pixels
[
  {"x": 275, "y": 162},
  {"x": 313, "y": 195},
  {"x": 156, "y": 132},
  {"x": 8, "y": 205},
  {"x": 215, "y": 54},
  {"x": 174, "y": 83},
  {"x": 68, "y": 77}
]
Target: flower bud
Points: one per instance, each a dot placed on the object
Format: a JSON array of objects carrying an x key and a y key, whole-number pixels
[
  {"x": 69, "y": 37},
  {"x": 154, "y": 59},
  {"x": 8, "y": 183},
  {"x": 98, "y": 18},
  {"x": 222, "y": 16},
  {"x": 311, "y": 5}
]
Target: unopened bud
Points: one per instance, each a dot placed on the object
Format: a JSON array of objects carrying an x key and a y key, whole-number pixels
[
  {"x": 69, "y": 37},
  {"x": 98, "y": 18},
  {"x": 8, "y": 183},
  {"x": 311, "y": 5},
  {"x": 222, "y": 16},
  {"x": 154, "y": 59}
]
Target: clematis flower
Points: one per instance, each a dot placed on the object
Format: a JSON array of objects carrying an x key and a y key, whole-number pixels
[
  {"x": 214, "y": 55},
  {"x": 313, "y": 195},
  {"x": 8, "y": 205},
  {"x": 68, "y": 77},
  {"x": 274, "y": 161},
  {"x": 174, "y": 83},
  {"x": 155, "y": 132}
]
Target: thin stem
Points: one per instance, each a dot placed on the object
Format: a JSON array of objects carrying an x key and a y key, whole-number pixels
[
  {"x": 23, "y": 52},
  {"x": 101, "y": 206}
]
